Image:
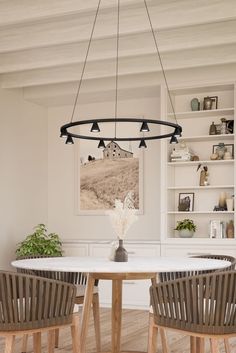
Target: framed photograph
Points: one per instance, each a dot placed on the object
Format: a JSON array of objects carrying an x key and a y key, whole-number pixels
[
  {"x": 210, "y": 103},
  {"x": 229, "y": 148},
  {"x": 186, "y": 202},
  {"x": 104, "y": 175}
]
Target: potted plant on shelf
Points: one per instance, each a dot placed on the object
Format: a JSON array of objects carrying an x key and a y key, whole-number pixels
[
  {"x": 40, "y": 243},
  {"x": 186, "y": 228}
]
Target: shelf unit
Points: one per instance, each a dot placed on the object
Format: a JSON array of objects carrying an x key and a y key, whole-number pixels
[{"x": 182, "y": 176}]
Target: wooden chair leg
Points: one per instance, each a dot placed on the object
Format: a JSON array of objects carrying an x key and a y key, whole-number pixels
[
  {"x": 37, "y": 342},
  {"x": 24, "y": 343},
  {"x": 152, "y": 335},
  {"x": 214, "y": 345},
  {"x": 9, "y": 344},
  {"x": 51, "y": 341},
  {"x": 57, "y": 338},
  {"x": 227, "y": 346},
  {"x": 193, "y": 344},
  {"x": 165, "y": 348},
  {"x": 200, "y": 345},
  {"x": 75, "y": 334},
  {"x": 96, "y": 318}
]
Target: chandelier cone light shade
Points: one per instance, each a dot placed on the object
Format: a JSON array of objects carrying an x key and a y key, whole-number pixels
[{"x": 143, "y": 124}]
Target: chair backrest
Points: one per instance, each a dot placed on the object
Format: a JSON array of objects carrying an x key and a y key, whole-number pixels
[
  {"x": 70, "y": 277},
  {"x": 28, "y": 302},
  {"x": 203, "y": 303},
  {"x": 169, "y": 276},
  {"x": 229, "y": 258}
]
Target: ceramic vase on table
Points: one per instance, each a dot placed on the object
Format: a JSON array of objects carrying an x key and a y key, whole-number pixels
[{"x": 121, "y": 255}]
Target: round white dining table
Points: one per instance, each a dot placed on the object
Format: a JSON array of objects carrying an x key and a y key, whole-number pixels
[{"x": 136, "y": 268}]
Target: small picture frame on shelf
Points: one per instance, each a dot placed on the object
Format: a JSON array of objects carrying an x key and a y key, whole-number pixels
[
  {"x": 186, "y": 202},
  {"x": 229, "y": 149}
]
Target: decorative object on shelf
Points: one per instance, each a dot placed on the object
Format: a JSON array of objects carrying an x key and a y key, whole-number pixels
[
  {"x": 40, "y": 243},
  {"x": 223, "y": 128},
  {"x": 69, "y": 130},
  {"x": 230, "y": 204},
  {"x": 230, "y": 229},
  {"x": 221, "y": 149},
  {"x": 195, "y": 158},
  {"x": 204, "y": 175},
  {"x": 214, "y": 156},
  {"x": 122, "y": 217},
  {"x": 208, "y": 103},
  {"x": 216, "y": 229},
  {"x": 212, "y": 129},
  {"x": 222, "y": 200},
  {"x": 186, "y": 202},
  {"x": 230, "y": 126},
  {"x": 181, "y": 153},
  {"x": 195, "y": 104},
  {"x": 186, "y": 228}
]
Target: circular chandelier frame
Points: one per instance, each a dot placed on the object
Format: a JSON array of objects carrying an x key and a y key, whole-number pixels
[{"x": 65, "y": 132}]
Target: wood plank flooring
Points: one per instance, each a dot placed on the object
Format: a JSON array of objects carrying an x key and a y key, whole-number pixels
[{"x": 134, "y": 336}]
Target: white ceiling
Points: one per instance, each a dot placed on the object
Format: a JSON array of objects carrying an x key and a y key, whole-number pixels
[{"x": 43, "y": 44}]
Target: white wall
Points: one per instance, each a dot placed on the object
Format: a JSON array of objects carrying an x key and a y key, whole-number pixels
[
  {"x": 61, "y": 171},
  {"x": 23, "y": 160}
]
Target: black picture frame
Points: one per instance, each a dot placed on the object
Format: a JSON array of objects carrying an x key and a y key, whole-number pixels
[
  {"x": 229, "y": 146},
  {"x": 186, "y": 202}
]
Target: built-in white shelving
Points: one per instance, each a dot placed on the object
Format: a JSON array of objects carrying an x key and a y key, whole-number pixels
[
  {"x": 203, "y": 113},
  {"x": 200, "y": 212},
  {"x": 221, "y": 137},
  {"x": 192, "y": 163},
  {"x": 183, "y": 177},
  {"x": 190, "y": 187}
]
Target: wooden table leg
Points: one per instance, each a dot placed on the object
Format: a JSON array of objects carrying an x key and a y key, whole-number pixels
[
  {"x": 86, "y": 311},
  {"x": 116, "y": 314}
]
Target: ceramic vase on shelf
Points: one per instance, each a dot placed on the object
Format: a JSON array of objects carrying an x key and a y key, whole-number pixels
[
  {"x": 222, "y": 200},
  {"x": 230, "y": 229},
  {"x": 121, "y": 255}
]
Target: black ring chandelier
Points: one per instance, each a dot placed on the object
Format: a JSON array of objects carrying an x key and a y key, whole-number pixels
[{"x": 70, "y": 135}]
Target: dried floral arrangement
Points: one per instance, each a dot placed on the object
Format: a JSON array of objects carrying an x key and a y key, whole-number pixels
[{"x": 123, "y": 215}]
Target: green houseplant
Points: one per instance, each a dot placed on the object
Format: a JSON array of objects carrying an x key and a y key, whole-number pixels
[
  {"x": 186, "y": 228},
  {"x": 40, "y": 243}
]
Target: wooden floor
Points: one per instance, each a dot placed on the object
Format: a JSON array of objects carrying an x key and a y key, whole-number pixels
[{"x": 134, "y": 336}]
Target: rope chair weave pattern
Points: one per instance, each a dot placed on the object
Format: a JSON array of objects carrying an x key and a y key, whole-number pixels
[
  {"x": 202, "y": 304},
  {"x": 170, "y": 276},
  {"x": 76, "y": 278},
  {"x": 28, "y": 302}
]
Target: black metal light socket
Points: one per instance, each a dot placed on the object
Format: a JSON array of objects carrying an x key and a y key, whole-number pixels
[
  {"x": 144, "y": 127},
  {"x": 142, "y": 144},
  {"x": 69, "y": 141},
  {"x": 95, "y": 127},
  {"x": 173, "y": 140},
  {"x": 101, "y": 144}
]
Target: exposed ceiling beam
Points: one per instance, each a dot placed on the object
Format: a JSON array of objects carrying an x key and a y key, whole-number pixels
[
  {"x": 131, "y": 44},
  {"x": 103, "y": 89},
  {"x": 165, "y": 15},
  {"x": 187, "y": 58}
]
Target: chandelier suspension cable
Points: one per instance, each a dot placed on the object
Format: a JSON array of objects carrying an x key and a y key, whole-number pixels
[
  {"x": 117, "y": 60},
  {"x": 66, "y": 130},
  {"x": 160, "y": 59},
  {"x": 85, "y": 61}
]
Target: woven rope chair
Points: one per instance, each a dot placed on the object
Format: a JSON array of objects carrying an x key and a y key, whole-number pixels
[
  {"x": 170, "y": 276},
  {"x": 202, "y": 306},
  {"x": 229, "y": 258},
  {"x": 30, "y": 304},
  {"x": 79, "y": 280}
]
